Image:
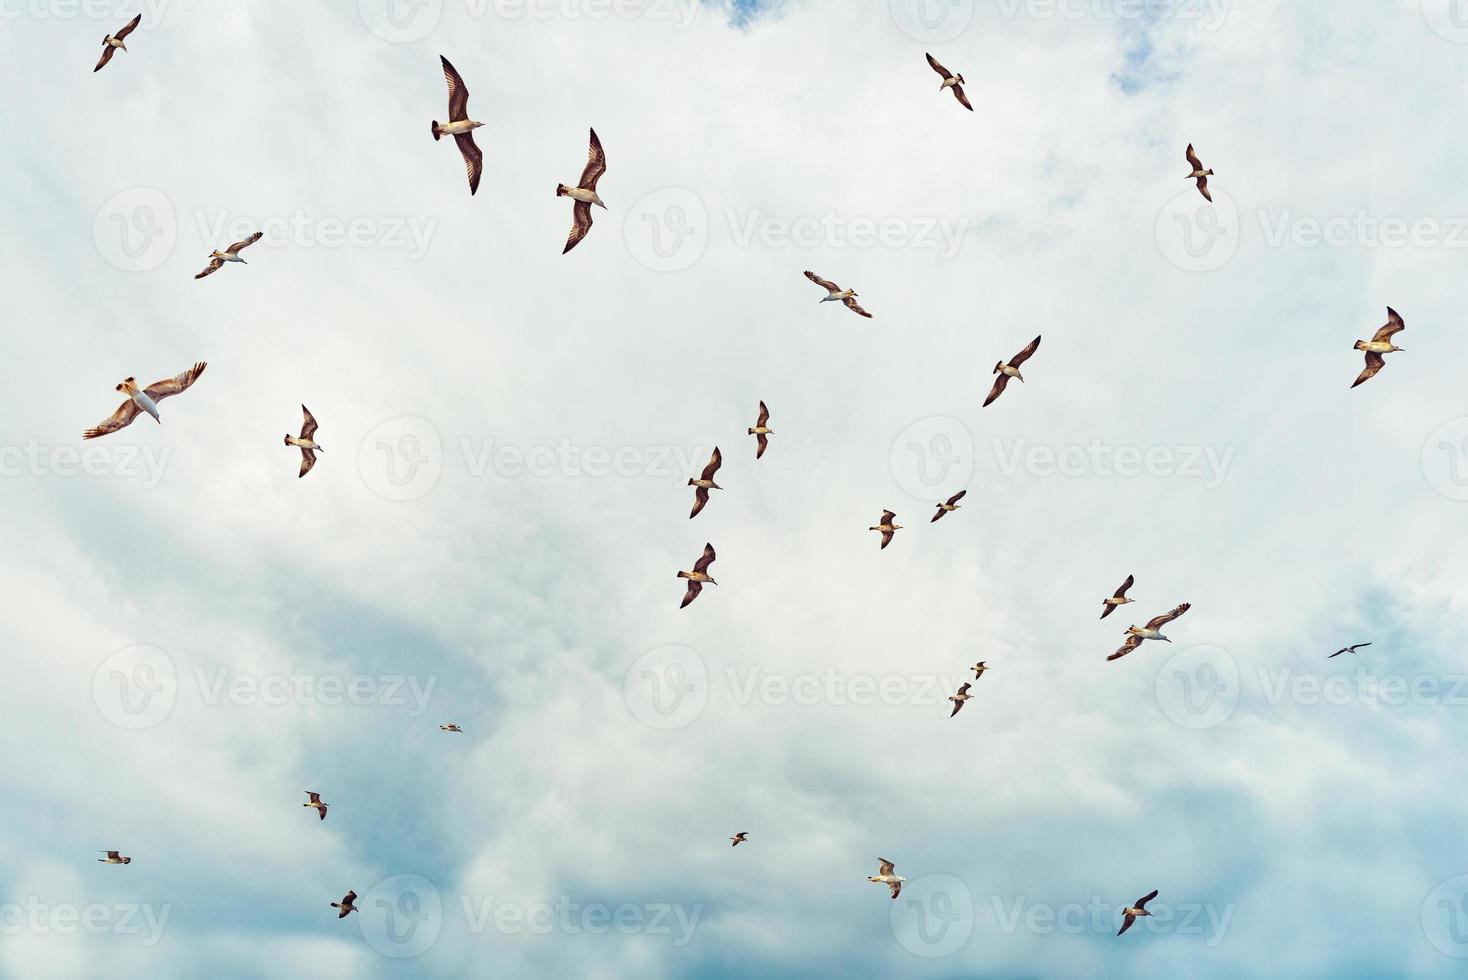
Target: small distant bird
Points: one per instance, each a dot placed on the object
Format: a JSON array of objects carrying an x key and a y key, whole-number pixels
[
  {"x": 950, "y": 80},
  {"x": 460, "y": 126},
  {"x": 1152, "y": 631},
  {"x": 316, "y": 802},
  {"x": 306, "y": 442},
  {"x": 145, "y": 399},
  {"x": 887, "y": 527},
  {"x": 698, "y": 576},
  {"x": 1350, "y": 649},
  {"x": 584, "y": 193},
  {"x": 884, "y": 876},
  {"x": 112, "y": 42},
  {"x": 1010, "y": 370},
  {"x": 979, "y": 668},
  {"x": 450, "y": 728},
  {"x": 231, "y": 254},
  {"x": 835, "y": 294},
  {"x": 959, "y": 698},
  {"x": 705, "y": 483},
  {"x": 1378, "y": 345},
  {"x": 1130, "y": 914},
  {"x": 739, "y": 838},
  {"x": 1199, "y": 174},
  {"x": 114, "y": 858},
  {"x": 1108, "y": 606},
  {"x": 762, "y": 431},
  {"x": 952, "y": 505},
  {"x": 346, "y": 906}
]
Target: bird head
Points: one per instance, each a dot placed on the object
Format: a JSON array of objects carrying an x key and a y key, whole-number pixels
[
  {"x": 127, "y": 860},
  {"x": 287, "y": 438}
]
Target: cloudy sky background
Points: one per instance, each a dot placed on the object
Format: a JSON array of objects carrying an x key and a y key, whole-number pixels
[{"x": 492, "y": 533}]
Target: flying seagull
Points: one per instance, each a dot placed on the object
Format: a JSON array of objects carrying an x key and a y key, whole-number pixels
[
  {"x": 316, "y": 802},
  {"x": 231, "y": 254},
  {"x": 451, "y": 728},
  {"x": 1152, "y": 631},
  {"x": 112, "y": 42},
  {"x": 460, "y": 126},
  {"x": 761, "y": 431},
  {"x": 705, "y": 483},
  {"x": 1199, "y": 174},
  {"x": 346, "y": 906},
  {"x": 306, "y": 442},
  {"x": 835, "y": 294},
  {"x": 979, "y": 668},
  {"x": 1350, "y": 649},
  {"x": 1378, "y": 345},
  {"x": 144, "y": 399},
  {"x": 952, "y": 81},
  {"x": 1108, "y": 606},
  {"x": 1129, "y": 915},
  {"x": 114, "y": 858},
  {"x": 887, "y": 527},
  {"x": 739, "y": 838},
  {"x": 698, "y": 576},
  {"x": 959, "y": 698},
  {"x": 1010, "y": 370},
  {"x": 584, "y": 193},
  {"x": 884, "y": 876},
  {"x": 952, "y": 505}
]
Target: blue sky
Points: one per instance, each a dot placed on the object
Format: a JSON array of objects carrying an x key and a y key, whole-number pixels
[{"x": 195, "y": 636}]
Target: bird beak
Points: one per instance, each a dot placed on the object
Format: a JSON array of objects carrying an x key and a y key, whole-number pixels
[{"x": 601, "y": 205}]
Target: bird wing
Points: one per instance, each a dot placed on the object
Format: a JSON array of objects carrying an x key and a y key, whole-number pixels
[
  {"x": 322, "y": 810},
  {"x": 308, "y": 460},
  {"x": 168, "y": 387},
  {"x": 1203, "y": 188},
  {"x": 247, "y": 242},
  {"x": 1121, "y": 592},
  {"x": 855, "y": 307},
  {"x": 580, "y": 225},
  {"x": 1356, "y": 646},
  {"x": 1132, "y": 642},
  {"x": 458, "y": 92},
  {"x": 884, "y": 867},
  {"x": 124, "y": 415},
  {"x": 112, "y": 854},
  {"x": 107, "y": 50},
  {"x": 764, "y": 443},
  {"x": 1000, "y": 382},
  {"x": 1394, "y": 325},
  {"x": 215, "y": 264},
  {"x": 1142, "y": 902},
  {"x": 1157, "y": 622},
  {"x": 764, "y": 416},
  {"x": 703, "y": 563},
  {"x": 715, "y": 461},
  {"x": 956, "y": 497},
  {"x": 1025, "y": 354},
  {"x": 1374, "y": 363},
  {"x": 473, "y": 159},
  {"x": 887, "y": 538},
  {"x": 1338, "y": 653},
  {"x": 1193, "y": 159},
  {"x": 1126, "y": 923},
  {"x": 694, "y": 588},
  {"x": 942, "y": 72},
  {"x": 596, "y": 163},
  {"x": 826, "y": 284},
  {"x": 896, "y": 889},
  {"x": 314, "y": 797},
  {"x": 700, "y": 497},
  {"x": 957, "y": 704},
  {"x": 940, "y": 513},
  {"x": 964, "y": 688},
  {"x": 308, "y": 427},
  {"x": 962, "y": 98},
  {"x": 888, "y": 517},
  {"x": 128, "y": 28}
]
